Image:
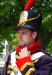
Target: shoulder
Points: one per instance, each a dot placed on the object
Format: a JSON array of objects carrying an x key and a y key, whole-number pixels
[
  {"x": 46, "y": 57},
  {"x": 45, "y": 60},
  {"x": 42, "y": 57},
  {"x": 37, "y": 55},
  {"x": 13, "y": 52}
]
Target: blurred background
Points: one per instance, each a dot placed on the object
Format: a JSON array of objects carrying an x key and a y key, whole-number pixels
[{"x": 9, "y": 16}]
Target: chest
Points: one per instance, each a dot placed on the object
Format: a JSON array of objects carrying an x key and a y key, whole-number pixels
[
  {"x": 12, "y": 68},
  {"x": 15, "y": 70}
]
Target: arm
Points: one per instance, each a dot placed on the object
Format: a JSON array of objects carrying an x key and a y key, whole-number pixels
[
  {"x": 27, "y": 67},
  {"x": 4, "y": 69},
  {"x": 44, "y": 66}
]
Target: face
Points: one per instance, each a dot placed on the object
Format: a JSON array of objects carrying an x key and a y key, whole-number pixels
[{"x": 26, "y": 37}]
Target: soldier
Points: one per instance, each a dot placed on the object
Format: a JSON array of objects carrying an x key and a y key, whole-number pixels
[{"x": 29, "y": 58}]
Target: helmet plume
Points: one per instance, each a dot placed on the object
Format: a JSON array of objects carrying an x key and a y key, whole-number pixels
[{"x": 29, "y": 4}]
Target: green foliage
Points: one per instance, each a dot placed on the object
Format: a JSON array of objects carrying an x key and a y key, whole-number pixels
[
  {"x": 49, "y": 47},
  {"x": 10, "y": 35}
]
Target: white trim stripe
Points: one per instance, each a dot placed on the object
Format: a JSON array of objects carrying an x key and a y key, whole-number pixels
[
  {"x": 13, "y": 62},
  {"x": 37, "y": 55}
]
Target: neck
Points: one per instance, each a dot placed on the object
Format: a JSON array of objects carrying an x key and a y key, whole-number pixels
[{"x": 34, "y": 47}]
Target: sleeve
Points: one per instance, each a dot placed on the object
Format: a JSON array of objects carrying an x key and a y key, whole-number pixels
[
  {"x": 4, "y": 69},
  {"x": 27, "y": 67},
  {"x": 2, "y": 72}
]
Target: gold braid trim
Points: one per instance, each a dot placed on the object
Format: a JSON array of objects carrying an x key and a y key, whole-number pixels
[
  {"x": 25, "y": 65},
  {"x": 9, "y": 66},
  {"x": 18, "y": 57},
  {"x": 9, "y": 69},
  {"x": 29, "y": 71},
  {"x": 36, "y": 60},
  {"x": 9, "y": 72},
  {"x": 28, "y": 20}
]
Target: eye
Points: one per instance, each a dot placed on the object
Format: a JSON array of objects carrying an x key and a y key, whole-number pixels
[{"x": 23, "y": 33}]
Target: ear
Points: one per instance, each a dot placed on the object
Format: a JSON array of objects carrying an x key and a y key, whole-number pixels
[{"x": 34, "y": 34}]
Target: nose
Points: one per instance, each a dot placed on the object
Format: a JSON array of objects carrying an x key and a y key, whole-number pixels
[{"x": 19, "y": 37}]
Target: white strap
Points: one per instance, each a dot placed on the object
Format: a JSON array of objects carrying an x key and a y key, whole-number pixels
[
  {"x": 33, "y": 57},
  {"x": 37, "y": 55},
  {"x": 13, "y": 62}
]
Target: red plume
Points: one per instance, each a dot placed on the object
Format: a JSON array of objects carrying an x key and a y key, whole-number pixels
[{"x": 29, "y": 4}]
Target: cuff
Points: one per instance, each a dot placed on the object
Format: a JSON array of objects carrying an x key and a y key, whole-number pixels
[{"x": 22, "y": 61}]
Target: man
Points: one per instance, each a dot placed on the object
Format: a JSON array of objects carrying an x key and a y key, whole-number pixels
[{"x": 29, "y": 58}]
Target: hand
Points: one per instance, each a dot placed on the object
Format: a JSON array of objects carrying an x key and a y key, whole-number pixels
[{"x": 24, "y": 52}]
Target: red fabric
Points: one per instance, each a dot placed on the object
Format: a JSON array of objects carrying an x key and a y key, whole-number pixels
[
  {"x": 29, "y": 4},
  {"x": 33, "y": 47},
  {"x": 22, "y": 61},
  {"x": 19, "y": 48}
]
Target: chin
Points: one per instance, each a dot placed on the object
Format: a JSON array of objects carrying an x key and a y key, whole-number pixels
[{"x": 24, "y": 44}]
